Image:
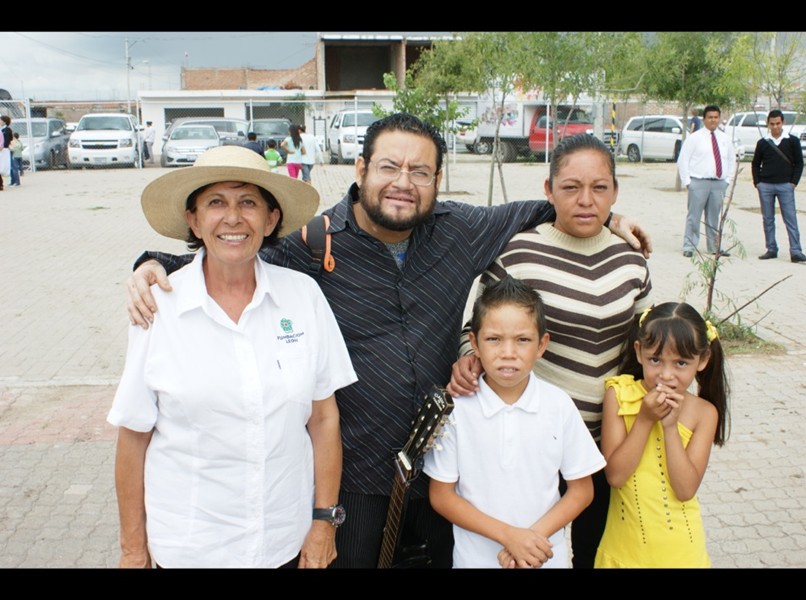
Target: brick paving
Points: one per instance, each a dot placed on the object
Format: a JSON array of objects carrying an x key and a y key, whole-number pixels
[{"x": 69, "y": 239}]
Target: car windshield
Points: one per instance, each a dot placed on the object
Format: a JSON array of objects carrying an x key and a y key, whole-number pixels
[
  {"x": 104, "y": 123},
  {"x": 21, "y": 127},
  {"x": 194, "y": 133},
  {"x": 270, "y": 128},
  {"x": 578, "y": 116},
  {"x": 364, "y": 119}
]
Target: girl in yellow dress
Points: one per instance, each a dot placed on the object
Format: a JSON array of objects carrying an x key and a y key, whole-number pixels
[{"x": 657, "y": 437}]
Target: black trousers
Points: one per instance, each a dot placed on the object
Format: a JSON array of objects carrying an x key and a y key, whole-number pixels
[
  {"x": 588, "y": 527},
  {"x": 358, "y": 541}
]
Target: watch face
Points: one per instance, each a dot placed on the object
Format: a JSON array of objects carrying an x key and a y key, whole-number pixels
[{"x": 339, "y": 514}]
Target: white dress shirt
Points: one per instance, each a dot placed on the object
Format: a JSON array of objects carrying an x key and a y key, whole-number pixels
[
  {"x": 697, "y": 156},
  {"x": 229, "y": 470}
]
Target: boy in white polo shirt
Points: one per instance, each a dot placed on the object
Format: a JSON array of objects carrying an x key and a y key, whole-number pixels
[{"x": 496, "y": 476}]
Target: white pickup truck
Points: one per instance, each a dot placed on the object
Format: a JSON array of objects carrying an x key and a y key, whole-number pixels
[
  {"x": 345, "y": 135},
  {"x": 747, "y": 128}
]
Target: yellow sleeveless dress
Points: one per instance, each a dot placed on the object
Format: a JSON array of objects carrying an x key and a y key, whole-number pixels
[{"x": 647, "y": 526}]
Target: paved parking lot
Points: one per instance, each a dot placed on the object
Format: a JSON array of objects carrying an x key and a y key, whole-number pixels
[{"x": 69, "y": 239}]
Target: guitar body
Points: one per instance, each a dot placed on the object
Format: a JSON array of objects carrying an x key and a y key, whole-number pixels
[{"x": 408, "y": 462}]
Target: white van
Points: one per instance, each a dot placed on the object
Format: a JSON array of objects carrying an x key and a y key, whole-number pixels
[
  {"x": 658, "y": 137},
  {"x": 345, "y": 136},
  {"x": 103, "y": 139}
]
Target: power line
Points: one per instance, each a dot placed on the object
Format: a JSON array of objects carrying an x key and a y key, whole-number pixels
[{"x": 67, "y": 52}]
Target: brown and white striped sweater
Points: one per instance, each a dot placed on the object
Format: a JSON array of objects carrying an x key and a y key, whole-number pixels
[{"x": 591, "y": 288}]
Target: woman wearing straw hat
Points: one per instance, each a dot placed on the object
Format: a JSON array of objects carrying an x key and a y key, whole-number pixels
[{"x": 229, "y": 450}]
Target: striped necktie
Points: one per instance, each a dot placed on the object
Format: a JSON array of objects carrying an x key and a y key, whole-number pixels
[{"x": 717, "y": 157}]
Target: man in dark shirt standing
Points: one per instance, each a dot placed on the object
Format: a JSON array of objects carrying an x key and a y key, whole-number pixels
[
  {"x": 777, "y": 167},
  {"x": 253, "y": 144},
  {"x": 404, "y": 265}
]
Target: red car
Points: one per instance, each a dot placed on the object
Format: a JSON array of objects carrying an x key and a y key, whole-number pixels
[{"x": 541, "y": 135}]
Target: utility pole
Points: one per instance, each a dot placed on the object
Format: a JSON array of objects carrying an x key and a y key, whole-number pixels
[{"x": 129, "y": 67}]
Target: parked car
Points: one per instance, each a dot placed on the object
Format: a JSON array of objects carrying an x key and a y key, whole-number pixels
[
  {"x": 231, "y": 132},
  {"x": 798, "y": 129},
  {"x": 747, "y": 128},
  {"x": 103, "y": 139},
  {"x": 657, "y": 137},
  {"x": 271, "y": 129},
  {"x": 186, "y": 143},
  {"x": 466, "y": 133},
  {"x": 47, "y": 140},
  {"x": 345, "y": 136}
]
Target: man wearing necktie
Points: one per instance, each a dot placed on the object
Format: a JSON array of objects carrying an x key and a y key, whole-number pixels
[{"x": 707, "y": 164}]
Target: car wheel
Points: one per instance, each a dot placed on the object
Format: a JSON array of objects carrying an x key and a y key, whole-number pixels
[
  {"x": 51, "y": 159},
  {"x": 677, "y": 146},
  {"x": 483, "y": 146},
  {"x": 633, "y": 153},
  {"x": 340, "y": 159},
  {"x": 163, "y": 162},
  {"x": 506, "y": 152}
]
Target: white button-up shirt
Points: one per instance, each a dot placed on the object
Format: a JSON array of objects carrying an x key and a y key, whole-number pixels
[
  {"x": 229, "y": 470},
  {"x": 697, "y": 156}
]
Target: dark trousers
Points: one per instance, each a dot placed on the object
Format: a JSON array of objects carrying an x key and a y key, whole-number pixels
[
  {"x": 588, "y": 527},
  {"x": 358, "y": 541}
]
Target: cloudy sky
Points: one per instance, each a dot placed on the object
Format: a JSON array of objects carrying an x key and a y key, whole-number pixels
[{"x": 91, "y": 65}]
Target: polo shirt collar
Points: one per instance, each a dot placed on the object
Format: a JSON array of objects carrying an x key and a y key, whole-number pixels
[
  {"x": 192, "y": 294},
  {"x": 491, "y": 404}
]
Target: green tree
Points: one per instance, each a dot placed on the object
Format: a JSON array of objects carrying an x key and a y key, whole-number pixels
[
  {"x": 780, "y": 61},
  {"x": 496, "y": 62},
  {"x": 445, "y": 71},
  {"x": 424, "y": 103},
  {"x": 697, "y": 67}
]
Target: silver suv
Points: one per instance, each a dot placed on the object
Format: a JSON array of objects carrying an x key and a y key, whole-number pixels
[{"x": 47, "y": 141}]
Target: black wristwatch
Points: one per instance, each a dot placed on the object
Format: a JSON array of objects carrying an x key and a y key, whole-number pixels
[{"x": 335, "y": 514}]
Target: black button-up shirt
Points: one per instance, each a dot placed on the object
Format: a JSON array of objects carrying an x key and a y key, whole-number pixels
[{"x": 401, "y": 326}]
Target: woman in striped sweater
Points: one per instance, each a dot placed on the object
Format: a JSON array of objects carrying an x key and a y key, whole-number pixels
[{"x": 592, "y": 284}]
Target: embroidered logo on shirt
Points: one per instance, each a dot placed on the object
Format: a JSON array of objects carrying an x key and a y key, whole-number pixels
[{"x": 287, "y": 325}]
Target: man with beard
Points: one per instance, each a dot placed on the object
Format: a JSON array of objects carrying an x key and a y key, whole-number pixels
[{"x": 405, "y": 264}]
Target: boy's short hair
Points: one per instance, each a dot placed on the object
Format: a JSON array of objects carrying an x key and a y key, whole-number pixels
[
  {"x": 271, "y": 144},
  {"x": 508, "y": 291},
  {"x": 251, "y": 136}
]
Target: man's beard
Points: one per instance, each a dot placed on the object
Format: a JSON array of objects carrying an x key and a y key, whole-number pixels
[{"x": 380, "y": 219}]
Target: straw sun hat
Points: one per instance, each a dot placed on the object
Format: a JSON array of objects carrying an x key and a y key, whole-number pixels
[{"x": 164, "y": 199}]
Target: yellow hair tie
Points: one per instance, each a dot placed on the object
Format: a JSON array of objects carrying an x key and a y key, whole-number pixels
[
  {"x": 643, "y": 316},
  {"x": 711, "y": 333}
]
